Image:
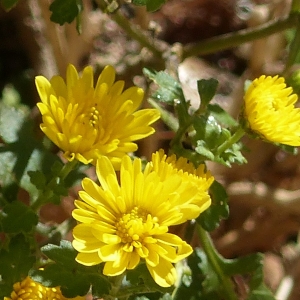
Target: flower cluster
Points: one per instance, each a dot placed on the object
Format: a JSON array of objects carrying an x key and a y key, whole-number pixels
[
  {"x": 122, "y": 223},
  {"x": 270, "y": 112},
  {"x": 31, "y": 290},
  {"x": 87, "y": 122}
]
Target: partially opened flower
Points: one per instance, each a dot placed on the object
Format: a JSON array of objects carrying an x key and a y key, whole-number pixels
[
  {"x": 167, "y": 166},
  {"x": 124, "y": 223},
  {"x": 87, "y": 122},
  {"x": 270, "y": 112},
  {"x": 28, "y": 289}
]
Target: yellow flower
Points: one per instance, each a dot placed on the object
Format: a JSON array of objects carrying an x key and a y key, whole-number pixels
[
  {"x": 269, "y": 110},
  {"x": 197, "y": 177},
  {"x": 122, "y": 223},
  {"x": 87, "y": 122},
  {"x": 31, "y": 290}
]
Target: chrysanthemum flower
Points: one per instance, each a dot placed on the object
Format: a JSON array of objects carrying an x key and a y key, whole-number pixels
[
  {"x": 269, "y": 110},
  {"x": 87, "y": 122},
  {"x": 31, "y": 290},
  {"x": 167, "y": 166},
  {"x": 122, "y": 223}
]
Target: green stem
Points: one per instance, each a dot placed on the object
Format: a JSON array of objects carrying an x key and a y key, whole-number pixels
[
  {"x": 294, "y": 49},
  {"x": 240, "y": 132},
  {"x": 116, "y": 286},
  {"x": 214, "y": 258},
  {"x": 132, "y": 30},
  {"x": 234, "y": 39},
  {"x": 167, "y": 117},
  {"x": 48, "y": 191}
]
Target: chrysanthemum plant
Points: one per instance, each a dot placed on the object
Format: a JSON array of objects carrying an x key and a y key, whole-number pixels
[{"x": 124, "y": 241}]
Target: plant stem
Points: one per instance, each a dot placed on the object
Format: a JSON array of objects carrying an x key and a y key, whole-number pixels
[
  {"x": 294, "y": 49},
  {"x": 234, "y": 39},
  {"x": 167, "y": 117},
  {"x": 47, "y": 193},
  {"x": 214, "y": 258},
  {"x": 132, "y": 30},
  {"x": 240, "y": 132},
  {"x": 116, "y": 285}
]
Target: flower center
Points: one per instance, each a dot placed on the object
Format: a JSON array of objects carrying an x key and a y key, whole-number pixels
[
  {"x": 94, "y": 117},
  {"x": 133, "y": 226}
]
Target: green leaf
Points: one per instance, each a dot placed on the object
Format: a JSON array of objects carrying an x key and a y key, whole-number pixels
[
  {"x": 18, "y": 217},
  {"x": 207, "y": 89},
  {"x": 151, "y": 5},
  {"x": 16, "y": 260},
  {"x": 168, "y": 88},
  {"x": 73, "y": 278},
  {"x": 140, "y": 277},
  {"x": 261, "y": 293},
  {"x": 210, "y": 135},
  {"x": 219, "y": 209},
  {"x": 232, "y": 155},
  {"x": 204, "y": 283},
  {"x": 24, "y": 162},
  {"x": 38, "y": 179},
  {"x": 204, "y": 151},
  {"x": 244, "y": 265},
  {"x": 5, "y": 290},
  {"x": 208, "y": 130},
  {"x": 8, "y": 4},
  {"x": 258, "y": 290},
  {"x": 221, "y": 115},
  {"x": 65, "y": 11}
]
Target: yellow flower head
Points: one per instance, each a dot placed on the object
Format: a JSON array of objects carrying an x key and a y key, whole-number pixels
[
  {"x": 122, "y": 223},
  {"x": 167, "y": 166},
  {"x": 87, "y": 122},
  {"x": 31, "y": 290},
  {"x": 269, "y": 110}
]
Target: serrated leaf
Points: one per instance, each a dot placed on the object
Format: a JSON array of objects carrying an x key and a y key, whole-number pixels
[
  {"x": 71, "y": 284},
  {"x": 8, "y": 4},
  {"x": 249, "y": 264},
  {"x": 38, "y": 179},
  {"x": 18, "y": 217},
  {"x": 204, "y": 151},
  {"x": 141, "y": 276},
  {"x": 21, "y": 153},
  {"x": 210, "y": 135},
  {"x": 221, "y": 115},
  {"x": 208, "y": 130},
  {"x": 207, "y": 89},
  {"x": 16, "y": 260},
  {"x": 168, "y": 88},
  {"x": 65, "y": 11},
  {"x": 205, "y": 283},
  {"x": 63, "y": 254},
  {"x": 261, "y": 293},
  {"x": 74, "y": 278},
  {"x": 219, "y": 210}
]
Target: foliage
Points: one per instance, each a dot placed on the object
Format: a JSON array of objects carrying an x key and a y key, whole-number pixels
[{"x": 33, "y": 176}]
